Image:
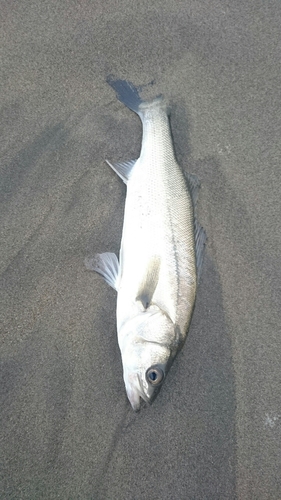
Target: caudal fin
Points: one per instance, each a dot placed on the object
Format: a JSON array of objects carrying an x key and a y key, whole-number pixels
[{"x": 126, "y": 92}]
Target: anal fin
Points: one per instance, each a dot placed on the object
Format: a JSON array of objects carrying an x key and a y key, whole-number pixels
[{"x": 123, "y": 169}]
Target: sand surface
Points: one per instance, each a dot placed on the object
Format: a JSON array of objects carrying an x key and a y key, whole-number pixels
[{"x": 67, "y": 429}]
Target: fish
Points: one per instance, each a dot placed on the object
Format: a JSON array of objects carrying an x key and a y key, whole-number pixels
[{"x": 161, "y": 254}]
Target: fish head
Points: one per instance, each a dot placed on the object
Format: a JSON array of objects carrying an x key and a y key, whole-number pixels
[
  {"x": 149, "y": 343},
  {"x": 145, "y": 371},
  {"x": 147, "y": 355}
]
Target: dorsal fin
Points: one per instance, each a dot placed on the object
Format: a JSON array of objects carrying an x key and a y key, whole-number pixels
[
  {"x": 200, "y": 241},
  {"x": 194, "y": 186},
  {"x": 199, "y": 233}
]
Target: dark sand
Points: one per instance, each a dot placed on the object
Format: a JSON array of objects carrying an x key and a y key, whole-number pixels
[{"x": 68, "y": 431}]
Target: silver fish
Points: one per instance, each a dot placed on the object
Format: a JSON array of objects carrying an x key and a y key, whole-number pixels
[{"x": 160, "y": 256}]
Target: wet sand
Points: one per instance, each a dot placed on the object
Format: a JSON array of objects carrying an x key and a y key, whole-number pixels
[{"x": 67, "y": 429}]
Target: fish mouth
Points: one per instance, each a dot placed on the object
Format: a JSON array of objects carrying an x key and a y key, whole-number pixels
[{"x": 136, "y": 391}]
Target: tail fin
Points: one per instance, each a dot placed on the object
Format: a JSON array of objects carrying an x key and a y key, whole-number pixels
[{"x": 128, "y": 94}]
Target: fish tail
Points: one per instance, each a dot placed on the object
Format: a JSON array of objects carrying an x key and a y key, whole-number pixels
[{"x": 128, "y": 94}]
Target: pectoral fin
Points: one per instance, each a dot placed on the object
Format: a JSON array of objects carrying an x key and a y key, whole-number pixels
[{"x": 149, "y": 282}]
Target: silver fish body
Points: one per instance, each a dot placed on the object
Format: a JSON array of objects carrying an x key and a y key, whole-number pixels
[{"x": 160, "y": 255}]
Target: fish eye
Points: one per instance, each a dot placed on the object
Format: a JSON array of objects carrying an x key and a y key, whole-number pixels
[{"x": 154, "y": 375}]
